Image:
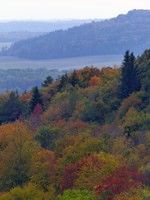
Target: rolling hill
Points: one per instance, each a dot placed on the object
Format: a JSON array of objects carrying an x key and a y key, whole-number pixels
[
  {"x": 14, "y": 31},
  {"x": 114, "y": 36}
]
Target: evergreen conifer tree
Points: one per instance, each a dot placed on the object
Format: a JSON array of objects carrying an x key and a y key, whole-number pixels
[
  {"x": 63, "y": 82},
  {"x": 74, "y": 80},
  {"x": 12, "y": 108},
  {"x": 49, "y": 80},
  {"x": 36, "y": 99},
  {"x": 129, "y": 76}
]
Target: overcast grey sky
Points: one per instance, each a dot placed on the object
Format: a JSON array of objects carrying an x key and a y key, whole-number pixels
[{"x": 60, "y": 9}]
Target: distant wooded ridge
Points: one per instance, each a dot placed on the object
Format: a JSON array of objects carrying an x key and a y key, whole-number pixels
[
  {"x": 13, "y": 31},
  {"x": 113, "y": 36}
]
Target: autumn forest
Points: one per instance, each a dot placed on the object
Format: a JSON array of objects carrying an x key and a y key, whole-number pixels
[{"x": 82, "y": 136}]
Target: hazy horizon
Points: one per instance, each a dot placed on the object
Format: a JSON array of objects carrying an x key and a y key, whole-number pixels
[
  {"x": 48, "y": 20},
  {"x": 45, "y": 10}
]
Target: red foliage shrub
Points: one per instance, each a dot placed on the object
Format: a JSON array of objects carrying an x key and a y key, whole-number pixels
[
  {"x": 36, "y": 117},
  {"x": 69, "y": 176},
  {"x": 71, "y": 171},
  {"x": 122, "y": 180},
  {"x": 37, "y": 110}
]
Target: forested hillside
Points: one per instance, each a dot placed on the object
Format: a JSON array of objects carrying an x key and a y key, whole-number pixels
[
  {"x": 24, "y": 79},
  {"x": 13, "y": 31},
  {"x": 114, "y": 36},
  {"x": 84, "y": 136}
]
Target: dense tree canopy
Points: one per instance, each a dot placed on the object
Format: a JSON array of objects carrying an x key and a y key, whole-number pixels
[{"x": 75, "y": 138}]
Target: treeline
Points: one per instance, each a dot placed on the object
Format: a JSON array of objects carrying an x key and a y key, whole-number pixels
[
  {"x": 84, "y": 136},
  {"x": 24, "y": 79}
]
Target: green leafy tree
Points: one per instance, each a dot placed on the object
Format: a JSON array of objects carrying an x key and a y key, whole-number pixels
[
  {"x": 28, "y": 192},
  {"x": 43, "y": 169},
  {"x": 77, "y": 195},
  {"x": 16, "y": 154},
  {"x": 47, "y": 136}
]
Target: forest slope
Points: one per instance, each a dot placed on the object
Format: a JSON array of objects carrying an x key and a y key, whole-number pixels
[
  {"x": 84, "y": 136},
  {"x": 114, "y": 36}
]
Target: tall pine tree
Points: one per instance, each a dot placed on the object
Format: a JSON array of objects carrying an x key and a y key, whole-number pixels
[
  {"x": 36, "y": 99},
  {"x": 11, "y": 108},
  {"x": 74, "y": 80},
  {"x": 49, "y": 80},
  {"x": 64, "y": 80},
  {"x": 130, "y": 81}
]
